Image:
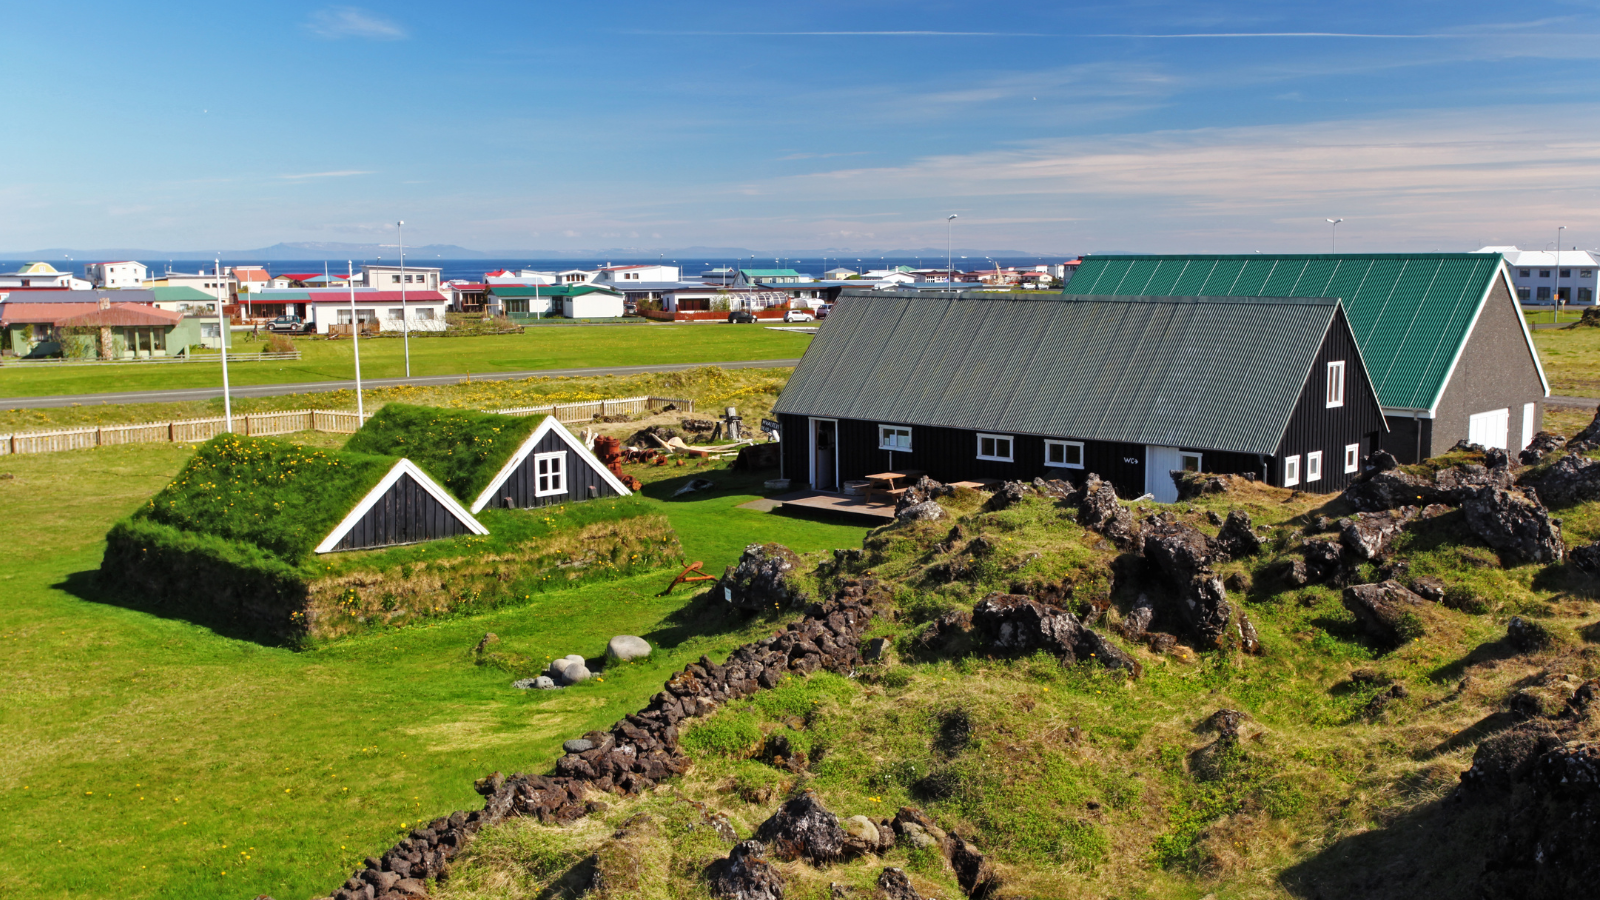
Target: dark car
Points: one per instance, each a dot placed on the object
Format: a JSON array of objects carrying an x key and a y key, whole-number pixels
[
  {"x": 291, "y": 325},
  {"x": 742, "y": 317}
]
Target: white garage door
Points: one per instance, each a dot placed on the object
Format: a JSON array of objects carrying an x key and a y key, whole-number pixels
[{"x": 1489, "y": 428}]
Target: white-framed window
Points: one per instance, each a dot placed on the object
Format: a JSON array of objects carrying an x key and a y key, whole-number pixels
[
  {"x": 550, "y": 473},
  {"x": 1352, "y": 458},
  {"x": 396, "y": 314},
  {"x": 1291, "y": 471},
  {"x": 894, "y": 437},
  {"x": 425, "y": 312},
  {"x": 394, "y": 279},
  {"x": 994, "y": 446},
  {"x": 1064, "y": 454},
  {"x": 1335, "y": 384},
  {"x": 1314, "y": 466},
  {"x": 1189, "y": 462}
]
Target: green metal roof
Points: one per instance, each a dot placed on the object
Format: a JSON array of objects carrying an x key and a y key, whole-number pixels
[
  {"x": 1410, "y": 312},
  {"x": 551, "y": 290},
  {"x": 1202, "y": 372},
  {"x": 178, "y": 294}
]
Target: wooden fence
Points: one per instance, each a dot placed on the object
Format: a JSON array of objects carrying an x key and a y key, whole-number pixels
[{"x": 334, "y": 421}]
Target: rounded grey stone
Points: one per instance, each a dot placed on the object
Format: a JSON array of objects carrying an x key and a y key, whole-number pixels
[
  {"x": 577, "y": 745},
  {"x": 627, "y": 646},
  {"x": 575, "y": 673}
]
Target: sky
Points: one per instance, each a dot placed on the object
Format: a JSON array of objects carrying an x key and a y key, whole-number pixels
[{"x": 1069, "y": 127}]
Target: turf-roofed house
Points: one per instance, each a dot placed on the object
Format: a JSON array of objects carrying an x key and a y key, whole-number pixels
[
  {"x": 490, "y": 460},
  {"x": 236, "y": 533},
  {"x": 1442, "y": 333},
  {"x": 975, "y": 386}
]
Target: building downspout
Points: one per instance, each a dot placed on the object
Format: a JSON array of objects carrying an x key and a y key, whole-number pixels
[
  {"x": 1265, "y": 477},
  {"x": 1416, "y": 420}
]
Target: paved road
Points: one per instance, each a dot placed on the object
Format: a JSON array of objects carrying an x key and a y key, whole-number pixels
[
  {"x": 311, "y": 387},
  {"x": 1581, "y": 402}
]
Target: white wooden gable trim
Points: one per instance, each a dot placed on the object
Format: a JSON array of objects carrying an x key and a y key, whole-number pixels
[
  {"x": 576, "y": 446},
  {"x": 1503, "y": 276},
  {"x": 403, "y": 467}
]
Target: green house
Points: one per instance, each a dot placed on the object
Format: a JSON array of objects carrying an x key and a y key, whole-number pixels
[{"x": 1442, "y": 334}]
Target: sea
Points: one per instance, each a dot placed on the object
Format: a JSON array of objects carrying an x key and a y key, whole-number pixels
[{"x": 690, "y": 268}]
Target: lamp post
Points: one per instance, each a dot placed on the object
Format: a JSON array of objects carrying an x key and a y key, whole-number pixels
[
  {"x": 355, "y": 334},
  {"x": 222, "y": 338},
  {"x": 949, "y": 253},
  {"x": 1333, "y": 246},
  {"x": 405, "y": 326}
]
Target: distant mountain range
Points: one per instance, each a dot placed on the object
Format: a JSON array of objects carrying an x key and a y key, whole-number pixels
[{"x": 303, "y": 250}]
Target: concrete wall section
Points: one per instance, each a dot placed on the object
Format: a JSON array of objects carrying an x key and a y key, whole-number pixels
[{"x": 1496, "y": 371}]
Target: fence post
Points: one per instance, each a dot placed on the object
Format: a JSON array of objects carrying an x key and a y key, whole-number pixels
[
  {"x": 172, "y": 432},
  {"x": 99, "y": 437}
]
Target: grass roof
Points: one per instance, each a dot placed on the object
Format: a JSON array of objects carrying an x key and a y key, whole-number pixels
[
  {"x": 461, "y": 449},
  {"x": 279, "y": 496}
]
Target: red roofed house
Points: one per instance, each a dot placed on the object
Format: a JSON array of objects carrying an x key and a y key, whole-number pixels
[
  {"x": 331, "y": 310},
  {"x": 107, "y": 330}
]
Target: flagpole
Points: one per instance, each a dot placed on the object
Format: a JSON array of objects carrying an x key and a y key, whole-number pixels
[
  {"x": 405, "y": 326},
  {"x": 355, "y": 333},
  {"x": 222, "y": 333}
]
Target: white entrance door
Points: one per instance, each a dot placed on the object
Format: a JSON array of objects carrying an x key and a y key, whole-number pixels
[
  {"x": 1528, "y": 412},
  {"x": 1159, "y": 464},
  {"x": 1489, "y": 428}
]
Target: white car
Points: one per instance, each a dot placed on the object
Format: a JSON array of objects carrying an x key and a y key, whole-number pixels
[{"x": 798, "y": 315}]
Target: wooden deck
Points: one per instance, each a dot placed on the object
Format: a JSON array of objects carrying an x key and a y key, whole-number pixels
[{"x": 801, "y": 502}]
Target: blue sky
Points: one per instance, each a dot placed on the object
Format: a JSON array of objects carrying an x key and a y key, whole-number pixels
[{"x": 1067, "y": 127}]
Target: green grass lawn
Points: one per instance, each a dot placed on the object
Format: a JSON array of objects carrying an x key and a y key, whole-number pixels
[
  {"x": 1571, "y": 360},
  {"x": 323, "y": 360},
  {"x": 149, "y": 757}
]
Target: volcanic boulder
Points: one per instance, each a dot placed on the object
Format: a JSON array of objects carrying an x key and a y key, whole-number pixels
[
  {"x": 764, "y": 579},
  {"x": 1236, "y": 539},
  {"x": 1184, "y": 557},
  {"x": 1515, "y": 523},
  {"x": 746, "y": 875},
  {"x": 1543, "y": 444},
  {"x": 1386, "y": 611},
  {"x": 1100, "y": 512},
  {"x": 803, "y": 828},
  {"x": 1571, "y": 479},
  {"x": 1369, "y": 535}
]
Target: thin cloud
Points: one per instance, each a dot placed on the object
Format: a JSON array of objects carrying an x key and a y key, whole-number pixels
[
  {"x": 337, "y": 22},
  {"x": 343, "y": 173}
]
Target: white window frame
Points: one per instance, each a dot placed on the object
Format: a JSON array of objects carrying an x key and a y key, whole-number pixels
[
  {"x": 1011, "y": 447},
  {"x": 1313, "y": 466},
  {"x": 886, "y": 434},
  {"x": 1050, "y": 445},
  {"x": 557, "y": 474},
  {"x": 1334, "y": 394},
  {"x": 1291, "y": 470},
  {"x": 1184, "y": 456},
  {"x": 1352, "y": 458}
]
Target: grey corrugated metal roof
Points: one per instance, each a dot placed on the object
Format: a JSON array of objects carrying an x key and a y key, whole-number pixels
[{"x": 1214, "y": 373}]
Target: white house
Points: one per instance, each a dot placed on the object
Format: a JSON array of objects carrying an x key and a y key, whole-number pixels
[
  {"x": 422, "y": 310},
  {"x": 592, "y": 305},
  {"x": 1535, "y": 273},
  {"x": 521, "y": 276},
  {"x": 839, "y": 273},
  {"x": 43, "y": 275},
  {"x": 392, "y": 278},
  {"x": 125, "y": 273},
  {"x": 625, "y": 274},
  {"x": 576, "y": 276}
]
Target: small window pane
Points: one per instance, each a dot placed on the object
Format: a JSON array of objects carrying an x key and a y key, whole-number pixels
[{"x": 1352, "y": 458}]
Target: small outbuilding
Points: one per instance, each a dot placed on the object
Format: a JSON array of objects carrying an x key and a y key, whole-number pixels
[
  {"x": 966, "y": 386},
  {"x": 491, "y": 460}
]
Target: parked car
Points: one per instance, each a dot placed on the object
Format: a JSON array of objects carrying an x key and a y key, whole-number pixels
[
  {"x": 291, "y": 325},
  {"x": 823, "y": 310},
  {"x": 741, "y": 317},
  {"x": 798, "y": 315}
]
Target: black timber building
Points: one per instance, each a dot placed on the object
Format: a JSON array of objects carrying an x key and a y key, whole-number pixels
[{"x": 974, "y": 385}]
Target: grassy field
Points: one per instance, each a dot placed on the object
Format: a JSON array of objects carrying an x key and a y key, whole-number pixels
[
  {"x": 324, "y": 360},
  {"x": 752, "y": 390},
  {"x": 149, "y": 757},
  {"x": 1571, "y": 359}
]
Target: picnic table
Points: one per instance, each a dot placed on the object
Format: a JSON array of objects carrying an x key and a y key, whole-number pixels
[{"x": 883, "y": 483}]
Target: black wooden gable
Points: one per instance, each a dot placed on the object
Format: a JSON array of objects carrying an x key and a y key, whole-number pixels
[
  {"x": 553, "y": 467},
  {"x": 406, "y": 513}
]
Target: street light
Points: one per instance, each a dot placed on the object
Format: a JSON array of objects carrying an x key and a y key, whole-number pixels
[
  {"x": 1334, "y": 246},
  {"x": 1559, "y": 229},
  {"x": 222, "y": 337},
  {"x": 405, "y": 327},
  {"x": 949, "y": 258}
]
